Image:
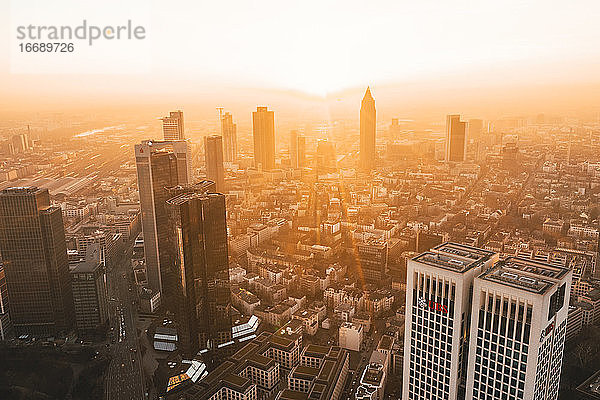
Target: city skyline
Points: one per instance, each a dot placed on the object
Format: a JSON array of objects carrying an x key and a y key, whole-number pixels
[{"x": 270, "y": 200}]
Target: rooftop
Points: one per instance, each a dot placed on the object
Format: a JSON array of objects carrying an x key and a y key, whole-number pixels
[
  {"x": 525, "y": 274},
  {"x": 386, "y": 342},
  {"x": 455, "y": 257},
  {"x": 313, "y": 350},
  {"x": 304, "y": 372},
  {"x": 373, "y": 375},
  {"x": 85, "y": 267},
  {"x": 288, "y": 394}
]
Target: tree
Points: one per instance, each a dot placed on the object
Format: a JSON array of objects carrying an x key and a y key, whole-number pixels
[{"x": 584, "y": 352}]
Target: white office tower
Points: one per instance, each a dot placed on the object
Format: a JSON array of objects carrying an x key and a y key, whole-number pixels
[
  {"x": 438, "y": 292},
  {"x": 519, "y": 321}
]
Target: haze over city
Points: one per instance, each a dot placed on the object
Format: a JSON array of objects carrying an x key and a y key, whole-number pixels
[{"x": 276, "y": 200}]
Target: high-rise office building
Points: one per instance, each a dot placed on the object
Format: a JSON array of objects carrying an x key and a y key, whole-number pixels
[
  {"x": 198, "y": 249},
  {"x": 394, "y": 129},
  {"x": 301, "y": 151},
  {"x": 456, "y": 139},
  {"x": 229, "y": 133},
  {"x": 475, "y": 128},
  {"x": 213, "y": 155},
  {"x": 294, "y": 148},
  {"x": 372, "y": 258},
  {"x": 519, "y": 321},
  {"x": 20, "y": 143},
  {"x": 173, "y": 126},
  {"x": 326, "y": 158},
  {"x": 438, "y": 316},
  {"x": 368, "y": 127},
  {"x": 297, "y": 150},
  {"x": 34, "y": 254},
  {"x": 160, "y": 165},
  {"x": 5, "y": 326},
  {"x": 88, "y": 282},
  {"x": 263, "y": 131}
]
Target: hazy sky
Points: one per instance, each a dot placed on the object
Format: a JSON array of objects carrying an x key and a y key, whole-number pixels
[{"x": 318, "y": 47}]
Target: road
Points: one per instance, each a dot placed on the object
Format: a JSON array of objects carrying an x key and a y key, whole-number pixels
[
  {"x": 125, "y": 378},
  {"x": 370, "y": 343}
]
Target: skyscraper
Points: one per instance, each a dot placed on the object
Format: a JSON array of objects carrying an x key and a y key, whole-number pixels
[
  {"x": 160, "y": 165},
  {"x": 368, "y": 126},
  {"x": 34, "y": 254},
  {"x": 173, "y": 126},
  {"x": 456, "y": 141},
  {"x": 519, "y": 320},
  {"x": 475, "y": 128},
  {"x": 326, "y": 158},
  {"x": 438, "y": 316},
  {"x": 394, "y": 129},
  {"x": 20, "y": 143},
  {"x": 301, "y": 151},
  {"x": 88, "y": 282},
  {"x": 229, "y": 133},
  {"x": 373, "y": 260},
  {"x": 198, "y": 247},
  {"x": 5, "y": 326},
  {"x": 294, "y": 148},
  {"x": 263, "y": 130},
  {"x": 213, "y": 155},
  {"x": 297, "y": 150}
]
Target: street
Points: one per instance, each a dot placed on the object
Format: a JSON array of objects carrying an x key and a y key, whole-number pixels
[{"x": 124, "y": 377}]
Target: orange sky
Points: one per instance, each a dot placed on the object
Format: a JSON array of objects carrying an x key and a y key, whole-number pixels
[{"x": 543, "y": 53}]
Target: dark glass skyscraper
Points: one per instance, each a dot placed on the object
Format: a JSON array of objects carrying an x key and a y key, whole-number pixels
[
  {"x": 5, "y": 327},
  {"x": 34, "y": 253},
  {"x": 160, "y": 165},
  {"x": 198, "y": 247},
  {"x": 368, "y": 127}
]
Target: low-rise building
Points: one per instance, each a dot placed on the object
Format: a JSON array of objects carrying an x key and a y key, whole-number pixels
[
  {"x": 350, "y": 336},
  {"x": 245, "y": 301},
  {"x": 310, "y": 321}
]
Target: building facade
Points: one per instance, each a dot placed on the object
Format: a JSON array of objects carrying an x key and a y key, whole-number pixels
[
  {"x": 173, "y": 126},
  {"x": 519, "y": 321},
  {"x": 160, "y": 165},
  {"x": 88, "y": 282},
  {"x": 213, "y": 154},
  {"x": 368, "y": 128},
  {"x": 263, "y": 131},
  {"x": 198, "y": 250},
  {"x": 229, "y": 133},
  {"x": 5, "y": 326},
  {"x": 438, "y": 286},
  {"x": 297, "y": 150},
  {"x": 34, "y": 254},
  {"x": 456, "y": 140}
]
